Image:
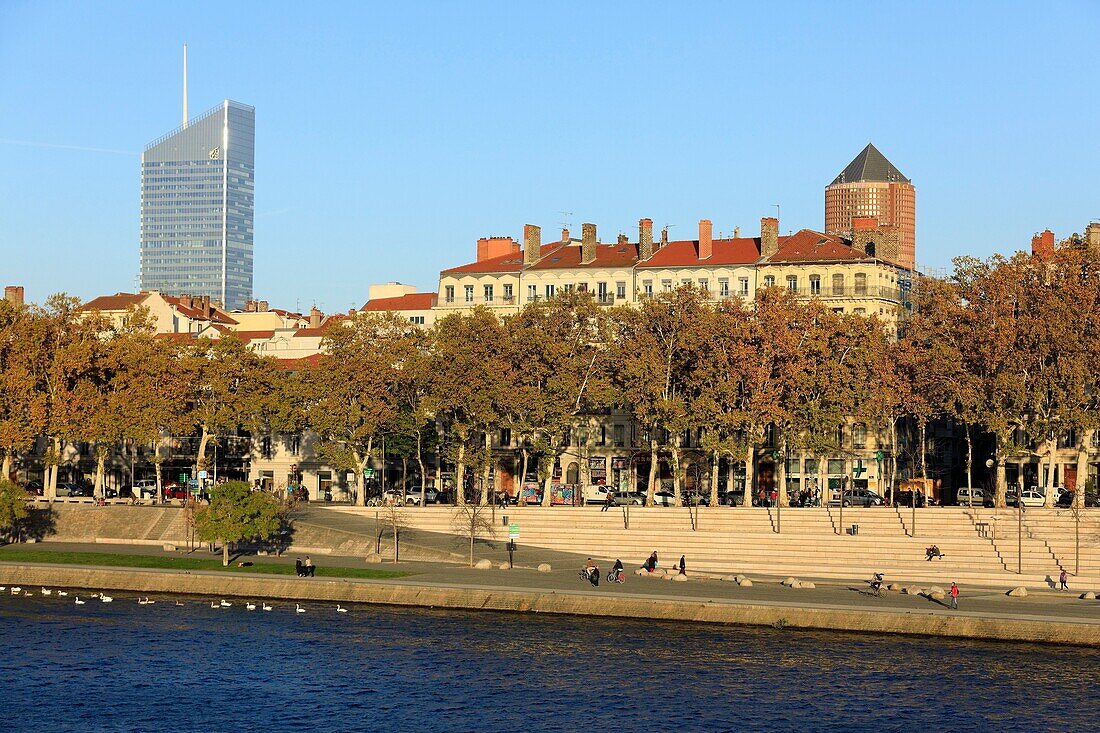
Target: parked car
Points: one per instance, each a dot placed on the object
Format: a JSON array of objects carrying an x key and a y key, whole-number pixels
[
  {"x": 1065, "y": 501},
  {"x": 861, "y": 497},
  {"x": 73, "y": 489},
  {"x": 633, "y": 498},
  {"x": 431, "y": 496},
  {"x": 905, "y": 498},
  {"x": 664, "y": 498},
  {"x": 145, "y": 489},
  {"x": 34, "y": 488},
  {"x": 967, "y": 495}
]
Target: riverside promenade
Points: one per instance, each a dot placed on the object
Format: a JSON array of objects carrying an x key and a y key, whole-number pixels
[{"x": 984, "y": 613}]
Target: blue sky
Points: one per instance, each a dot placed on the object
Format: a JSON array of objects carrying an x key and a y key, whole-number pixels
[{"x": 390, "y": 136}]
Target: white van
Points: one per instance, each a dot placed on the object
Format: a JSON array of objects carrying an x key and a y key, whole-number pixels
[
  {"x": 967, "y": 495},
  {"x": 596, "y": 494}
]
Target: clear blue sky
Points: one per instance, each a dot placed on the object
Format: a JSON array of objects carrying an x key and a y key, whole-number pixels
[{"x": 390, "y": 136}]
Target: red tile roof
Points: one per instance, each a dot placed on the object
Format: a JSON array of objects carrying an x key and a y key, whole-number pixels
[
  {"x": 251, "y": 335},
  {"x": 685, "y": 253},
  {"x": 116, "y": 302},
  {"x": 511, "y": 262},
  {"x": 409, "y": 302},
  {"x": 180, "y": 337},
  {"x": 301, "y": 363},
  {"x": 810, "y": 246},
  {"x": 607, "y": 255},
  {"x": 321, "y": 330}
]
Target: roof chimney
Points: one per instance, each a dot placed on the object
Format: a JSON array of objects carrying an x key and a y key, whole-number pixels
[
  {"x": 314, "y": 317},
  {"x": 532, "y": 244},
  {"x": 645, "y": 239},
  {"x": 206, "y": 305},
  {"x": 621, "y": 240},
  {"x": 564, "y": 235},
  {"x": 1042, "y": 245},
  {"x": 769, "y": 236},
  {"x": 664, "y": 237},
  {"x": 261, "y": 307},
  {"x": 737, "y": 232},
  {"x": 14, "y": 294},
  {"x": 1092, "y": 235},
  {"x": 588, "y": 243},
  {"x": 706, "y": 241}
]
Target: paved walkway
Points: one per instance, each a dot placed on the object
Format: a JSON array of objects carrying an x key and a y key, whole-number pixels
[{"x": 831, "y": 594}]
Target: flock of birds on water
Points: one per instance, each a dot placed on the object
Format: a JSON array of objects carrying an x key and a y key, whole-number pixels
[{"x": 148, "y": 601}]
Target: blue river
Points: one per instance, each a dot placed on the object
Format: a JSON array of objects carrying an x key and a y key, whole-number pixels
[{"x": 165, "y": 667}]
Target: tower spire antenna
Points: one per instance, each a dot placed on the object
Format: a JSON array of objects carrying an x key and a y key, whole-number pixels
[{"x": 185, "y": 86}]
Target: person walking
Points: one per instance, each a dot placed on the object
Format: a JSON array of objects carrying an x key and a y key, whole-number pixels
[
  {"x": 298, "y": 566},
  {"x": 683, "y": 565},
  {"x": 607, "y": 501},
  {"x": 308, "y": 567},
  {"x": 1062, "y": 580},
  {"x": 954, "y": 595}
]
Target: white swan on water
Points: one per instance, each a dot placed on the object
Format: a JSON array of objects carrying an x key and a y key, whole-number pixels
[
  {"x": 62, "y": 592},
  {"x": 214, "y": 604},
  {"x": 106, "y": 599},
  {"x": 225, "y": 603},
  {"x": 47, "y": 592},
  {"x": 266, "y": 607},
  {"x": 15, "y": 590},
  {"x": 298, "y": 609},
  {"x": 80, "y": 602},
  {"x": 340, "y": 609},
  {"x": 250, "y": 606}
]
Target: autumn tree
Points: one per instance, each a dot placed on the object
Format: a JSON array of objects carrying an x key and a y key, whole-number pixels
[
  {"x": 236, "y": 514},
  {"x": 350, "y": 392},
  {"x": 24, "y": 407}
]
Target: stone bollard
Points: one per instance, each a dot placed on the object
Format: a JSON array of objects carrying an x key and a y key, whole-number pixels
[
  {"x": 789, "y": 581},
  {"x": 484, "y": 564},
  {"x": 680, "y": 578},
  {"x": 641, "y": 571},
  {"x": 806, "y": 584},
  {"x": 894, "y": 587},
  {"x": 1018, "y": 592},
  {"x": 505, "y": 566},
  {"x": 544, "y": 567},
  {"x": 746, "y": 583},
  {"x": 1088, "y": 596}
]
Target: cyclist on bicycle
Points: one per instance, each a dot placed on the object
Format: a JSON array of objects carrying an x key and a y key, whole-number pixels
[
  {"x": 876, "y": 583},
  {"x": 592, "y": 570},
  {"x": 617, "y": 571}
]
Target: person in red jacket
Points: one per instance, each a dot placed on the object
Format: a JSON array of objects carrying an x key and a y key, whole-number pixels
[{"x": 954, "y": 595}]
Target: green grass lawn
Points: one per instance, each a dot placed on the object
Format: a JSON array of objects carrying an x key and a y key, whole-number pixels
[{"x": 13, "y": 553}]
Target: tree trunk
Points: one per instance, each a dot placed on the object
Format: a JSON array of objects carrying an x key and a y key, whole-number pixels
[
  {"x": 396, "y": 552},
  {"x": 473, "y": 531},
  {"x": 714, "y": 479},
  {"x": 51, "y": 489},
  {"x": 361, "y": 461},
  {"x": 653, "y": 470},
  {"x": 922, "y": 426},
  {"x": 5, "y": 472},
  {"x": 1082, "y": 469},
  {"x": 1048, "y": 484},
  {"x": 423, "y": 474},
  {"x": 894, "y": 458},
  {"x": 1000, "y": 488},
  {"x": 750, "y": 475},
  {"x": 160, "y": 483},
  {"x": 225, "y": 553},
  {"x": 677, "y": 493},
  {"x": 781, "y": 497},
  {"x": 460, "y": 478},
  {"x": 823, "y": 481},
  {"x": 200, "y": 459},
  {"x": 100, "y": 461},
  {"x": 488, "y": 466},
  {"x": 522, "y": 472},
  {"x": 969, "y": 456}
]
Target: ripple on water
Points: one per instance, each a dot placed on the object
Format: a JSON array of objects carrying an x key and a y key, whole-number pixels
[{"x": 193, "y": 668}]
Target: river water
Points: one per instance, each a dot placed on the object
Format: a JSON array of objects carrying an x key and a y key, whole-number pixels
[{"x": 127, "y": 667}]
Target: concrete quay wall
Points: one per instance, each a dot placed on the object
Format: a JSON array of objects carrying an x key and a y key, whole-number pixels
[{"x": 517, "y": 600}]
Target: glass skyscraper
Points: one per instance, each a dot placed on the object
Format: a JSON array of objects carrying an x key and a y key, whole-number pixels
[{"x": 197, "y": 204}]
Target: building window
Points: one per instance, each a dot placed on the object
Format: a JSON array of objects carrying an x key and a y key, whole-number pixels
[
  {"x": 294, "y": 443},
  {"x": 838, "y": 285},
  {"x": 619, "y": 431},
  {"x": 449, "y": 294},
  {"x": 836, "y": 466},
  {"x": 861, "y": 283},
  {"x": 567, "y": 288},
  {"x": 723, "y": 287},
  {"x": 488, "y": 293},
  {"x": 620, "y": 290},
  {"x": 859, "y": 311},
  {"x": 769, "y": 281},
  {"x": 743, "y": 286},
  {"x": 666, "y": 286},
  {"x": 602, "y": 440},
  {"x": 859, "y": 435},
  {"x": 532, "y": 293},
  {"x": 704, "y": 284},
  {"x": 685, "y": 281},
  {"x": 815, "y": 284},
  {"x": 838, "y": 435},
  {"x": 508, "y": 292},
  {"x": 549, "y": 291},
  {"x": 505, "y": 437},
  {"x": 601, "y": 292},
  {"x": 792, "y": 283},
  {"x": 469, "y": 291},
  {"x": 647, "y": 288},
  {"x": 417, "y": 320}
]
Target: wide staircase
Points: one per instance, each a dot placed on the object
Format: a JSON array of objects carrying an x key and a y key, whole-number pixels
[{"x": 811, "y": 543}]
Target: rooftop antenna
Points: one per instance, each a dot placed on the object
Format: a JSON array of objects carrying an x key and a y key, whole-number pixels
[
  {"x": 777, "y": 216},
  {"x": 185, "y": 86},
  {"x": 566, "y": 222}
]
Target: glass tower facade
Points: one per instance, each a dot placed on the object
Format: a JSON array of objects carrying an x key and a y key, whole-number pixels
[{"x": 197, "y": 206}]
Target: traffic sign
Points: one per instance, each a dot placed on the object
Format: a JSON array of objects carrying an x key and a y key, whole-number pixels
[
  {"x": 202, "y": 475},
  {"x": 368, "y": 473},
  {"x": 513, "y": 531}
]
